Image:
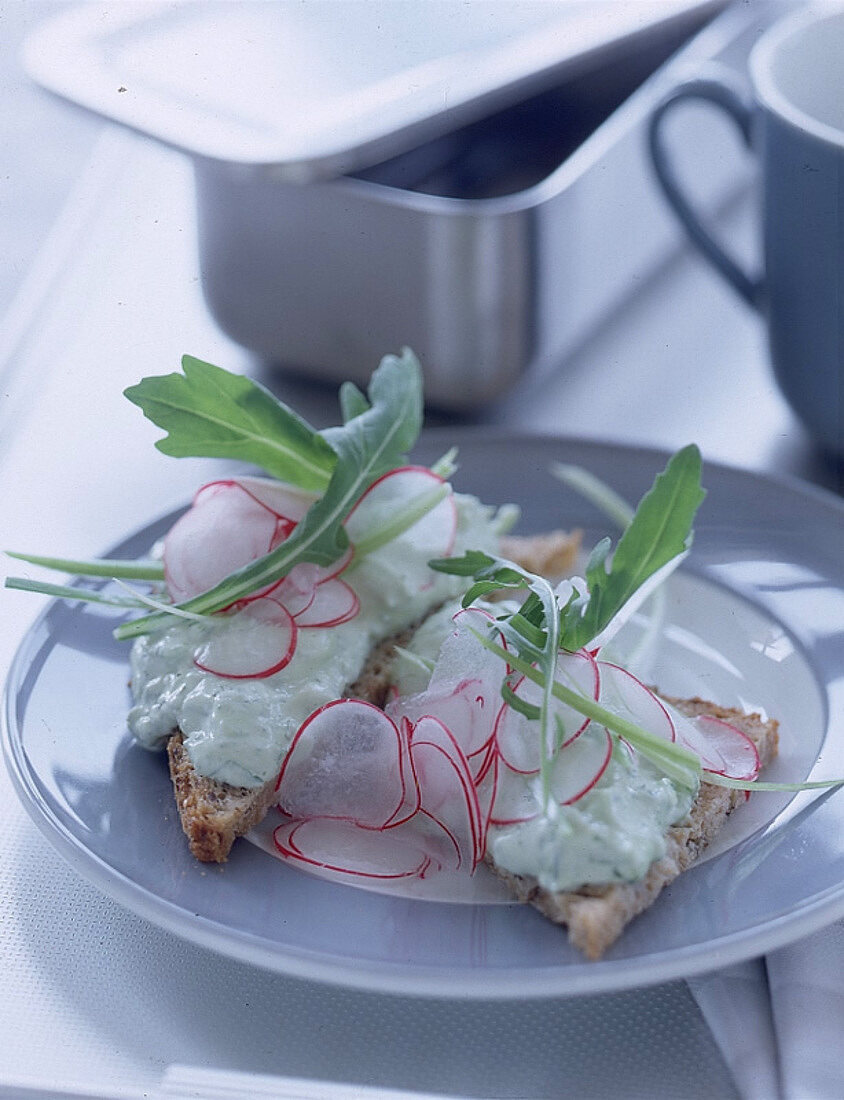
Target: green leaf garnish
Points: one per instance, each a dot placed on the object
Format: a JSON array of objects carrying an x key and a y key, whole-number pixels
[
  {"x": 213, "y": 413},
  {"x": 660, "y": 532},
  {"x": 71, "y": 592},
  {"x": 98, "y": 567},
  {"x": 675, "y": 761},
  {"x": 367, "y": 446}
]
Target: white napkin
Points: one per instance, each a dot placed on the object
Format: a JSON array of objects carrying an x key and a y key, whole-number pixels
[
  {"x": 736, "y": 1006},
  {"x": 779, "y": 1022},
  {"x": 806, "y": 982}
]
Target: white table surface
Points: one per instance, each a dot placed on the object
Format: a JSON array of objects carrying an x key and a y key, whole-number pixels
[{"x": 94, "y": 996}]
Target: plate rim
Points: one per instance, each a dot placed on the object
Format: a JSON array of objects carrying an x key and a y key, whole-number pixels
[{"x": 568, "y": 979}]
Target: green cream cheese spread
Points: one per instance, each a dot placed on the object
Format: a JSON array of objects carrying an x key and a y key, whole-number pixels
[
  {"x": 612, "y": 834},
  {"x": 237, "y": 731}
]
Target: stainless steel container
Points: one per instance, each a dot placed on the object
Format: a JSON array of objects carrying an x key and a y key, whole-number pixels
[{"x": 491, "y": 240}]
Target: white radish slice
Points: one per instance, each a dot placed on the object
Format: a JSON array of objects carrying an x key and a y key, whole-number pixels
[
  {"x": 722, "y": 748},
  {"x": 462, "y": 656},
  {"x": 308, "y": 575},
  {"x": 446, "y": 788},
  {"x": 518, "y": 736},
  {"x": 486, "y": 787},
  {"x": 347, "y": 848},
  {"x": 626, "y": 696},
  {"x": 432, "y": 535},
  {"x": 333, "y": 602},
  {"x": 296, "y": 597},
  {"x": 345, "y": 761},
  {"x": 516, "y": 798},
  {"x": 409, "y": 804},
  {"x": 580, "y": 764},
  {"x": 257, "y": 641},
  {"x": 225, "y": 529},
  {"x": 287, "y": 501},
  {"x": 469, "y": 710},
  {"x": 465, "y": 687}
]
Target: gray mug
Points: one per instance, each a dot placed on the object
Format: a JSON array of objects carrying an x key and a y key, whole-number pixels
[{"x": 794, "y": 122}]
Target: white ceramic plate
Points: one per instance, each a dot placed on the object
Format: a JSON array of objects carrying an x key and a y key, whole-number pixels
[{"x": 755, "y": 620}]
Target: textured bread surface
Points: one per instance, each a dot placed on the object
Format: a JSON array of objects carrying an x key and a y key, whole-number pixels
[
  {"x": 596, "y": 915},
  {"x": 214, "y": 815}
]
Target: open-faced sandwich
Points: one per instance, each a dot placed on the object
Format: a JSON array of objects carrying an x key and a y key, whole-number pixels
[{"x": 351, "y": 645}]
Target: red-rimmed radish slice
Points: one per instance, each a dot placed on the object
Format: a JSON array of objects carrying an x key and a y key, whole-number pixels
[
  {"x": 628, "y": 697},
  {"x": 486, "y": 787},
  {"x": 446, "y": 787},
  {"x": 308, "y": 575},
  {"x": 518, "y": 737},
  {"x": 346, "y": 848},
  {"x": 224, "y": 529},
  {"x": 464, "y": 692},
  {"x": 463, "y": 656},
  {"x": 722, "y": 747},
  {"x": 516, "y": 798},
  {"x": 469, "y": 710},
  {"x": 346, "y": 761},
  {"x": 409, "y": 804},
  {"x": 580, "y": 764},
  {"x": 296, "y": 597},
  {"x": 433, "y": 534},
  {"x": 257, "y": 641},
  {"x": 333, "y": 602},
  {"x": 286, "y": 501}
]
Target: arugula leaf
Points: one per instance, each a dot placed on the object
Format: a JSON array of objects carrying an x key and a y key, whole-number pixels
[
  {"x": 211, "y": 412},
  {"x": 98, "y": 567},
  {"x": 71, "y": 592},
  {"x": 659, "y": 533},
  {"x": 352, "y": 402},
  {"x": 369, "y": 445}
]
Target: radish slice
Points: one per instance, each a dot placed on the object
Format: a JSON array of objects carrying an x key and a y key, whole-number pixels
[
  {"x": 580, "y": 764},
  {"x": 516, "y": 798},
  {"x": 446, "y": 788},
  {"x": 349, "y": 849},
  {"x": 469, "y": 705},
  {"x": 286, "y": 501},
  {"x": 432, "y": 535},
  {"x": 225, "y": 529},
  {"x": 296, "y": 593},
  {"x": 486, "y": 788},
  {"x": 628, "y": 697},
  {"x": 333, "y": 602},
  {"x": 345, "y": 761},
  {"x": 469, "y": 709},
  {"x": 257, "y": 641},
  {"x": 722, "y": 748},
  {"x": 518, "y": 739},
  {"x": 308, "y": 575}
]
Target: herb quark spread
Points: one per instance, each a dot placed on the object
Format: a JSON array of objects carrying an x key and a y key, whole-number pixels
[{"x": 236, "y": 731}]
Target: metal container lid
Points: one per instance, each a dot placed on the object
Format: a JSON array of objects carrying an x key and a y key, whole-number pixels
[{"x": 317, "y": 88}]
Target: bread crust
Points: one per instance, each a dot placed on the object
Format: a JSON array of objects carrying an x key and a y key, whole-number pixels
[{"x": 596, "y": 915}]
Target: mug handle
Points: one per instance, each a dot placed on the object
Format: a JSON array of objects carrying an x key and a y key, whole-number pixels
[{"x": 725, "y": 94}]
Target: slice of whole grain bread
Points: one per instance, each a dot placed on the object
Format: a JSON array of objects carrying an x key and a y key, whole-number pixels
[
  {"x": 214, "y": 814},
  {"x": 596, "y": 915}
]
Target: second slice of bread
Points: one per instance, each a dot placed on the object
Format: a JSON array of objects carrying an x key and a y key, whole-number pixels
[{"x": 596, "y": 915}]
